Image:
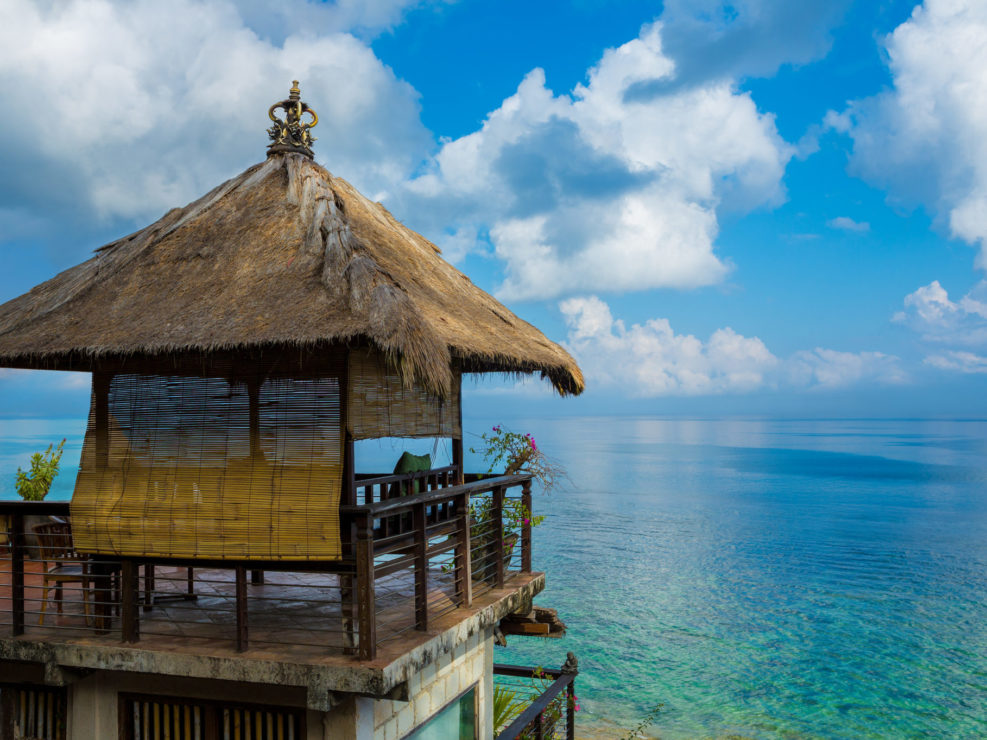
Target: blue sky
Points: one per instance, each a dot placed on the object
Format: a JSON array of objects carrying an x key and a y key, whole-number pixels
[{"x": 757, "y": 207}]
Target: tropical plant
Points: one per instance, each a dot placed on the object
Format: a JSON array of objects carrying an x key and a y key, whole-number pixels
[
  {"x": 506, "y": 706},
  {"x": 515, "y": 514},
  {"x": 34, "y": 486},
  {"x": 551, "y": 715},
  {"x": 644, "y": 724},
  {"x": 519, "y": 453}
]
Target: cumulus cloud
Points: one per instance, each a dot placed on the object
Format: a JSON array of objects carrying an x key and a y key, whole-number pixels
[
  {"x": 603, "y": 188},
  {"x": 278, "y": 19},
  {"x": 958, "y": 361},
  {"x": 930, "y": 312},
  {"x": 845, "y": 223},
  {"x": 828, "y": 368},
  {"x": 650, "y": 359},
  {"x": 748, "y": 38},
  {"x": 925, "y": 139},
  {"x": 136, "y": 107}
]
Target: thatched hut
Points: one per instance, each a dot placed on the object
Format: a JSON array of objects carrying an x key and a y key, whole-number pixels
[{"x": 240, "y": 344}]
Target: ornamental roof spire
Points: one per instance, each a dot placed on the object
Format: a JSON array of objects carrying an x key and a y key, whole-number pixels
[{"x": 291, "y": 134}]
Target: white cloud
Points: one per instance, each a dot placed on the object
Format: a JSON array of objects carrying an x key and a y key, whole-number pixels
[
  {"x": 925, "y": 139},
  {"x": 845, "y": 223},
  {"x": 958, "y": 361},
  {"x": 612, "y": 187},
  {"x": 650, "y": 359},
  {"x": 930, "y": 312},
  {"x": 278, "y": 19},
  {"x": 126, "y": 109},
  {"x": 748, "y": 38},
  {"x": 828, "y": 368}
]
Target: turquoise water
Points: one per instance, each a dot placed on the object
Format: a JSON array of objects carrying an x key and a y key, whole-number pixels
[{"x": 770, "y": 579}]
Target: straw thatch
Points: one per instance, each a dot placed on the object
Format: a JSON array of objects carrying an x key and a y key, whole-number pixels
[{"x": 284, "y": 254}]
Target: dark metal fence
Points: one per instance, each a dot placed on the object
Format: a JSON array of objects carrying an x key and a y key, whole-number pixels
[{"x": 541, "y": 701}]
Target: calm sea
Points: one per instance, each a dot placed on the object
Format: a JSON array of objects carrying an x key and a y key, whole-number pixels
[{"x": 768, "y": 579}]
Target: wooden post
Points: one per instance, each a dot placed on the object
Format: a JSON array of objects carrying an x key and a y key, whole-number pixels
[
  {"x": 241, "y": 608},
  {"x": 421, "y": 568},
  {"x": 349, "y": 476},
  {"x": 129, "y": 589},
  {"x": 526, "y": 527},
  {"x": 346, "y": 593},
  {"x": 539, "y": 727},
  {"x": 349, "y": 470},
  {"x": 457, "y": 442},
  {"x": 148, "y": 586},
  {"x": 101, "y": 416},
  {"x": 17, "y": 572},
  {"x": 365, "y": 587},
  {"x": 497, "y": 521},
  {"x": 253, "y": 405},
  {"x": 457, "y": 459},
  {"x": 464, "y": 568},
  {"x": 570, "y": 710},
  {"x": 348, "y": 483}
]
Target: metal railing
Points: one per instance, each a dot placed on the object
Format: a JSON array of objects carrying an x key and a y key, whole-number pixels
[
  {"x": 407, "y": 560},
  {"x": 551, "y": 713}
]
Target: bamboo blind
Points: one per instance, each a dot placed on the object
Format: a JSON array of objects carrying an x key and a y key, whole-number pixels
[
  {"x": 211, "y": 466},
  {"x": 380, "y": 405}
]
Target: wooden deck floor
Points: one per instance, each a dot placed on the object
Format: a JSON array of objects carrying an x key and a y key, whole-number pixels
[{"x": 299, "y": 614}]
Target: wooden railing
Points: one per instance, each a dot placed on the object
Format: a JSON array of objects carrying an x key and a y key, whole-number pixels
[
  {"x": 371, "y": 488},
  {"x": 408, "y": 531},
  {"x": 417, "y": 543}
]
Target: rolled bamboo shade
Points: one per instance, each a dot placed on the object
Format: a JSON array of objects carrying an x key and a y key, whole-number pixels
[
  {"x": 212, "y": 466},
  {"x": 380, "y": 405}
]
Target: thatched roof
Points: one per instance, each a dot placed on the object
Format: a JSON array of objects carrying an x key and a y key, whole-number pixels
[{"x": 284, "y": 254}]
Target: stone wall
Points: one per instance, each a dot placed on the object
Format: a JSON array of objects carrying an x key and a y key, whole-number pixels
[
  {"x": 431, "y": 689},
  {"x": 93, "y": 700}
]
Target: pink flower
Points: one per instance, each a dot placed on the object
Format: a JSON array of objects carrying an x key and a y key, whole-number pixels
[{"x": 527, "y": 521}]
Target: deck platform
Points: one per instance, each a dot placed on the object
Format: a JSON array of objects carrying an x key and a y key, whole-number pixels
[{"x": 295, "y": 630}]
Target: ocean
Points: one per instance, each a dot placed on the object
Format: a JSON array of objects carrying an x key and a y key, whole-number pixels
[{"x": 757, "y": 578}]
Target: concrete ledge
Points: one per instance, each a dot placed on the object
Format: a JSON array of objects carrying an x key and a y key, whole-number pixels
[{"x": 397, "y": 661}]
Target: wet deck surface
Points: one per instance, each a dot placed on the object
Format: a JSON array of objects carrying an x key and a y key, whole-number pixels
[{"x": 292, "y": 616}]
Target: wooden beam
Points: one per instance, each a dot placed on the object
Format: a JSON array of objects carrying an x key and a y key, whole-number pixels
[
  {"x": 366, "y": 606},
  {"x": 463, "y": 556},
  {"x": 497, "y": 523},
  {"x": 129, "y": 595},
  {"x": 101, "y": 416},
  {"x": 421, "y": 568},
  {"x": 526, "y": 527},
  {"x": 457, "y": 442},
  {"x": 242, "y": 637},
  {"x": 148, "y": 586},
  {"x": 253, "y": 403}
]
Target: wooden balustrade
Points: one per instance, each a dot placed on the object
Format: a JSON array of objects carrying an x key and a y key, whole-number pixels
[{"x": 385, "y": 534}]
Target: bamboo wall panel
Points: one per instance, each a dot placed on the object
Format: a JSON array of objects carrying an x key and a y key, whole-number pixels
[
  {"x": 244, "y": 467},
  {"x": 380, "y": 405}
]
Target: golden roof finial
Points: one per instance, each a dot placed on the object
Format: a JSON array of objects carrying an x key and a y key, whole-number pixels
[{"x": 291, "y": 134}]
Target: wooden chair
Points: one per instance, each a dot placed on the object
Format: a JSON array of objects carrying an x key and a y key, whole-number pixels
[{"x": 62, "y": 564}]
